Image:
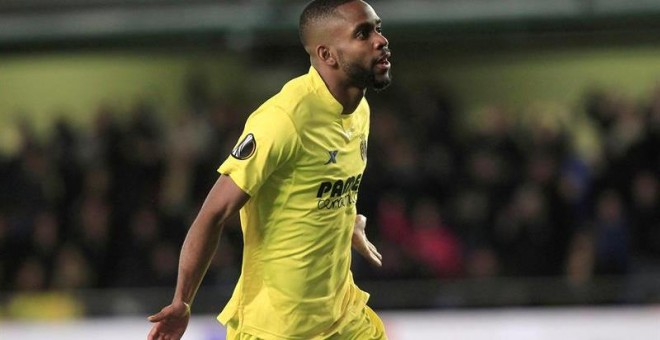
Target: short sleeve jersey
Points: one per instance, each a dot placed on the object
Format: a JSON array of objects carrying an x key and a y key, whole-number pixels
[{"x": 301, "y": 160}]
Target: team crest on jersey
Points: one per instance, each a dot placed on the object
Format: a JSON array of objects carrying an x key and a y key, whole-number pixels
[
  {"x": 245, "y": 148},
  {"x": 363, "y": 148}
]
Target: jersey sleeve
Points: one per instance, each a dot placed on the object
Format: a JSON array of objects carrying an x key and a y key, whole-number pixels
[{"x": 268, "y": 141}]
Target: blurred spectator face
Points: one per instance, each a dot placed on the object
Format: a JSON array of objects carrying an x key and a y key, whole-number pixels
[
  {"x": 529, "y": 203},
  {"x": 35, "y": 163},
  {"x": 403, "y": 158},
  {"x": 542, "y": 169},
  {"x": 485, "y": 167},
  {"x": 387, "y": 126},
  {"x": 45, "y": 232},
  {"x": 627, "y": 129},
  {"x": 71, "y": 270},
  {"x": 97, "y": 182},
  {"x": 482, "y": 263},
  {"x": 31, "y": 276},
  {"x": 574, "y": 180},
  {"x": 164, "y": 260},
  {"x": 472, "y": 207},
  {"x": 645, "y": 190},
  {"x": 495, "y": 122},
  {"x": 144, "y": 226},
  {"x": 94, "y": 221},
  {"x": 571, "y": 187},
  {"x": 579, "y": 267},
  {"x": 426, "y": 215},
  {"x": 545, "y": 131},
  {"x": 609, "y": 208}
]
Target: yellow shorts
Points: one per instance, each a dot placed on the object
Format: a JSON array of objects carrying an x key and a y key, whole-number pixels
[{"x": 367, "y": 326}]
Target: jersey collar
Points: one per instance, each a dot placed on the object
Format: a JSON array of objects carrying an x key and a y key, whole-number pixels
[{"x": 322, "y": 90}]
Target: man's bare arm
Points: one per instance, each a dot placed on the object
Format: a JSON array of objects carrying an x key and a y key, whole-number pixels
[{"x": 224, "y": 199}]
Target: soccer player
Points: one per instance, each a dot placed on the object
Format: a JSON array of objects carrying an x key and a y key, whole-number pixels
[{"x": 295, "y": 174}]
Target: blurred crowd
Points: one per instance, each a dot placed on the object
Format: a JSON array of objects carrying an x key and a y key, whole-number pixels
[
  {"x": 541, "y": 191},
  {"x": 545, "y": 190}
]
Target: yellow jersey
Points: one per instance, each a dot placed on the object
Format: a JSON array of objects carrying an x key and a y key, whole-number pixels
[{"x": 301, "y": 160}]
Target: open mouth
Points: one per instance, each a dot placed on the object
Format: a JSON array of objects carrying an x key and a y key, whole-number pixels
[{"x": 384, "y": 61}]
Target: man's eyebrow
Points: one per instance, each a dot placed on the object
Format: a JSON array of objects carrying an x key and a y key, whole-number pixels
[{"x": 367, "y": 25}]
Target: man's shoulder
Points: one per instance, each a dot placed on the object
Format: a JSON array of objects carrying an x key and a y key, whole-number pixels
[
  {"x": 303, "y": 101},
  {"x": 287, "y": 99},
  {"x": 296, "y": 99},
  {"x": 281, "y": 110},
  {"x": 297, "y": 91}
]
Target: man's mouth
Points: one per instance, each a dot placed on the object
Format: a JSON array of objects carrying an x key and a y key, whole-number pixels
[{"x": 384, "y": 61}]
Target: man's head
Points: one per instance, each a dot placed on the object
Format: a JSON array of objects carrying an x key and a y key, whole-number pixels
[{"x": 344, "y": 37}]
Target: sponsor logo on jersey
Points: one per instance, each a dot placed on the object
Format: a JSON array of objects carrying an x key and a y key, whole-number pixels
[
  {"x": 245, "y": 148},
  {"x": 338, "y": 194}
]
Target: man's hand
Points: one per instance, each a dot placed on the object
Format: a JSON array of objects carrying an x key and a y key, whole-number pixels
[
  {"x": 362, "y": 245},
  {"x": 170, "y": 322}
]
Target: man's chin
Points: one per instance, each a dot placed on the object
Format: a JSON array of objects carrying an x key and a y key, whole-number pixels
[{"x": 381, "y": 84}]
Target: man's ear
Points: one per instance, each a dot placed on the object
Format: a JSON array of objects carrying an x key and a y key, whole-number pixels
[{"x": 325, "y": 55}]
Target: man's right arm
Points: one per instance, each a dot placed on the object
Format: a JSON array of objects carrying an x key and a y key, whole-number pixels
[{"x": 223, "y": 201}]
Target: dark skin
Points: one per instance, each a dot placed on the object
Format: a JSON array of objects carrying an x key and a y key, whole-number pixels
[
  {"x": 353, "y": 41},
  {"x": 222, "y": 202},
  {"x": 352, "y": 37}
]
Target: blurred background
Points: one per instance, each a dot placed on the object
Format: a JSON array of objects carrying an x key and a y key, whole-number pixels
[{"x": 512, "y": 185}]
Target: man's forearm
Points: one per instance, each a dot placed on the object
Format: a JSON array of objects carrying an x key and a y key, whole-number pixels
[
  {"x": 196, "y": 254},
  {"x": 223, "y": 201}
]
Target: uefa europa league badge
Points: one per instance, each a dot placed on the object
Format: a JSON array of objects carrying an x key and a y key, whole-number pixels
[
  {"x": 245, "y": 148},
  {"x": 363, "y": 147}
]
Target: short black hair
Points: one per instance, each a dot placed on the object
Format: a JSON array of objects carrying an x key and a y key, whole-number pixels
[{"x": 315, "y": 11}]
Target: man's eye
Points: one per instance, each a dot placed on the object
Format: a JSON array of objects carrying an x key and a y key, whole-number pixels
[
  {"x": 362, "y": 35},
  {"x": 379, "y": 30}
]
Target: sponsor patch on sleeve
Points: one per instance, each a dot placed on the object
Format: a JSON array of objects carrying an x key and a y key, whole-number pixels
[{"x": 245, "y": 148}]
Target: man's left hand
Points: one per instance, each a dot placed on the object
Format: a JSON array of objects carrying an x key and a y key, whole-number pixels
[{"x": 362, "y": 244}]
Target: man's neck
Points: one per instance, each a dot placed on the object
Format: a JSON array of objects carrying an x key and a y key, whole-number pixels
[{"x": 348, "y": 96}]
